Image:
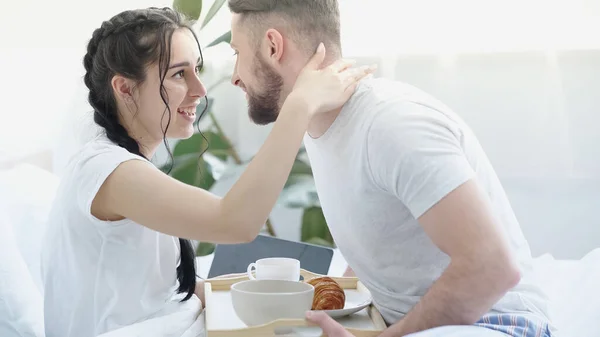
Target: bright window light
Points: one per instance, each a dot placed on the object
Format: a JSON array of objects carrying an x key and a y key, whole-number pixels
[{"x": 384, "y": 27}]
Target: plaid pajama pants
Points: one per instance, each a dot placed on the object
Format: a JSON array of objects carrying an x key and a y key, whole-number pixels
[
  {"x": 514, "y": 325},
  {"x": 493, "y": 325}
]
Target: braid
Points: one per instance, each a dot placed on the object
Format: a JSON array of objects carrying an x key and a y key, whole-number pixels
[
  {"x": 108, "y": 119},
  {"x": 129, "y": 21},
  {"x": 124, "y": 45}
]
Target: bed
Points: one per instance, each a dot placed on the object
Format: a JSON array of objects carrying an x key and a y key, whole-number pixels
[{"x": 26, "y": 191}]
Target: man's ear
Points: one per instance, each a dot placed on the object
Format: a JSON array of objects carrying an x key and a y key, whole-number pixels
[
  {"x": 274, "y": 44},
  {"x": 122, "y": 87}
]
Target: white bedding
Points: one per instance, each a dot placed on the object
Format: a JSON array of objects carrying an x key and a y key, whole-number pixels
[
  {"x": 180, "y": 324},
  {"x": 572, "y": 285},
  {"x": 573, "y": 288}
]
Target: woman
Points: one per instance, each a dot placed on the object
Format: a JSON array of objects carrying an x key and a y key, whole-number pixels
[{"x": 112, "y": 256}]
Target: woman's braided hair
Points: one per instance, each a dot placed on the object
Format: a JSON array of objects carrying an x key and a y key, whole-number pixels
[{"x": 125, "y": 45}]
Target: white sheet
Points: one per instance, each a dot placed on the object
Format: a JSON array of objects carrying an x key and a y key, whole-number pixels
[
  {"x": 26, "y": 192},
  {"x": 180, "y": 324},
  {"x": 573, "y": 287}
]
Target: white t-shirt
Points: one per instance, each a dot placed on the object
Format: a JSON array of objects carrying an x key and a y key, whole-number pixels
[
  {"x": 391, "y": 154},
  {"x": 99, "y": 275}
]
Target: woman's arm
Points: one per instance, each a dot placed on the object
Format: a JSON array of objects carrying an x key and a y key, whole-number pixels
[{"x": 138, "y": 191}]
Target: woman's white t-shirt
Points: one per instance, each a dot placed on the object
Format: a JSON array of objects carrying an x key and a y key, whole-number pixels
[{"x": 103, "y": 275}]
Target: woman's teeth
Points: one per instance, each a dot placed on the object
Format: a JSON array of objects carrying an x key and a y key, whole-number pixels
[{"x": 187, "y": 111}]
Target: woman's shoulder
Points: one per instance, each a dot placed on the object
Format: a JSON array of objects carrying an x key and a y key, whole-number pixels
[
  {"x": 95, "y": 160},
  {"x": 88, "y": 169},
  {"x": 101, "y": 149},
  {"x": 100, "y": 144}
]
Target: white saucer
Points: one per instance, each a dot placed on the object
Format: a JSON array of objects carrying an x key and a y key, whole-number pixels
[{"x": 355, "y": 302}]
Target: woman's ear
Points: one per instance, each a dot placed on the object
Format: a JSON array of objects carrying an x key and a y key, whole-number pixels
[{"x": 122, "y": 87}]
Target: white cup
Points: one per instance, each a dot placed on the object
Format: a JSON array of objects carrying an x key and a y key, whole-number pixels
[{"x": 275, "y": 268}]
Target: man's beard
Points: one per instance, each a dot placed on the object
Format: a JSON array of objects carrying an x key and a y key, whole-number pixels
[{"x": 263, "y": 106}]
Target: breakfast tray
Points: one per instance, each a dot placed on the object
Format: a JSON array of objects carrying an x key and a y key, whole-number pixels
[{"x": 222, "y": 321}]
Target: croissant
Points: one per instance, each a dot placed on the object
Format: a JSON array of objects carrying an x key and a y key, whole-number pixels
[{"x": 328, "y": 294}]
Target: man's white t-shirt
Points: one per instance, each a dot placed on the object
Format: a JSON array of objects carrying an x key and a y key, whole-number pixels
[
  {"x": 391, "y": 154},
  {"x": 103, "y": 275}
]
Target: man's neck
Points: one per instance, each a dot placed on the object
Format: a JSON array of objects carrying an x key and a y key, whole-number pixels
[{"x": 321, "y": 123}]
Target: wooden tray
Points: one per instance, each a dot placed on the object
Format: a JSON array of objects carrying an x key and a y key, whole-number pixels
[{"x": 221, "y": 320}]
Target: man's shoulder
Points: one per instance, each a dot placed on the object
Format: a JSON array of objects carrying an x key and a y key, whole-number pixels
[
  {"x": 391, "y": 104},
  {"x": 379, "y": 97},
  {"x": 388, "y": 90}
]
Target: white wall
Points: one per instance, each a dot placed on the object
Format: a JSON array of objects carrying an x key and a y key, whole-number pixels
[
  {"x": 535, "y": 112},
  {"x": 41, "y": 51}
]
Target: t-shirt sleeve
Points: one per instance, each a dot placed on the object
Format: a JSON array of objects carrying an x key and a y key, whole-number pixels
[
  {"x": 96, "y": 163},
  {"x": 415, "y": 153}
]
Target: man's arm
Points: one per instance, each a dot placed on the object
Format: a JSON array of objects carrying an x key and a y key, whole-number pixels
[
  {"x": 482, "y": 268},
  {"x": 480, "y": 272},
  {"x": 416, "y": 153}
]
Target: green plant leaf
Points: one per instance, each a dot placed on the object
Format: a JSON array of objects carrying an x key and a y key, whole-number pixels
[
  {"x": 214, "y": 143},
  {"x": 300, "y": 167},
  {"x": 189, "y": 165},
  {"x": 302, "y": 150},
  {"x": 190, "y": 8},
  {"x": 299, "y": 192},
  {"x": 226, "y": 37},
  {"x": 214, "y": 9},
  {"x": 320, "y": 242},
  {"x": 165, "y": 168},
  {"x": 193, "y": 145},
  {"x": 314, "y": 225},
  {"x": 305, "y": 181},
  {"x": 178, "y": 162},
  {"x": 218, "y": 145},
  {"x": 195, "y": 172},
  {"x": 205, "y": 248}
]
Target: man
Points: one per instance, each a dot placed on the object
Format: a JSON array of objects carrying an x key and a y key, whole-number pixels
[{"x": 410, "y": 197}]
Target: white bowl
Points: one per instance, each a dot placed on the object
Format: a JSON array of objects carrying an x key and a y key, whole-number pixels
[{"x": 258, "y": 302}]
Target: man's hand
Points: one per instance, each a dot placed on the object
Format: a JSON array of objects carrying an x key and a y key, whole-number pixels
[{"x": 330, "y": 327}]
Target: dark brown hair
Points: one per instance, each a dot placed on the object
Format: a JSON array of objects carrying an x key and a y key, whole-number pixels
[
  {"x": 307, "y": 22},
  {"x": 125, "y": 45}
]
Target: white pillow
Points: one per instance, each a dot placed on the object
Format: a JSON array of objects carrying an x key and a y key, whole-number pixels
[
  {"x": 572, "y": 287},
  {"x": 21, "y": 304},
  {"x": 26, "y": 194}
]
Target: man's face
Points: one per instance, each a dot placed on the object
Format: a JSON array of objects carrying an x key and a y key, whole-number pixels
[{"x": 253, "y": 74}]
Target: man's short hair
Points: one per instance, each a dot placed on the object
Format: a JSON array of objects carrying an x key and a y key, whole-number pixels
[{"x": 306, "y": 22}]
